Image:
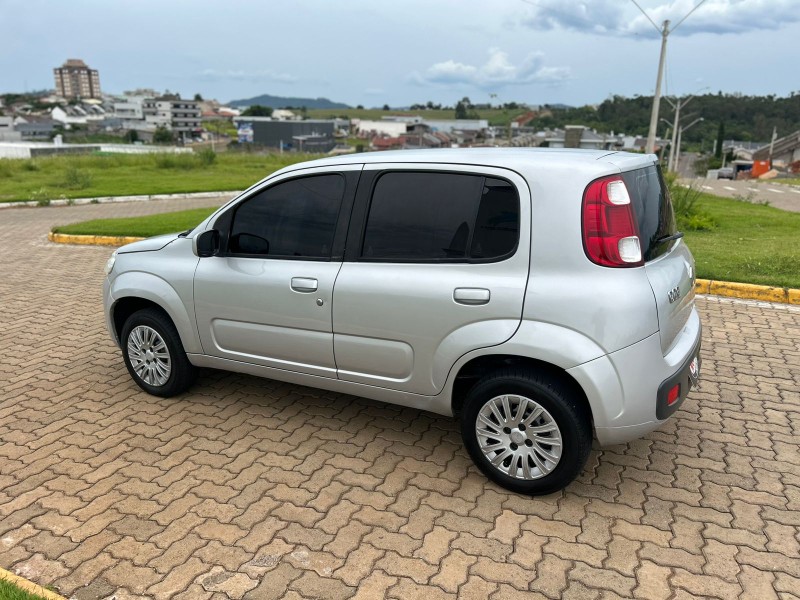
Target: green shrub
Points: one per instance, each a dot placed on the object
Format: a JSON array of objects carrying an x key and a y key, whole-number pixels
[
  {"x": 76, "y": 179},
  {"x": 41, "y": 197},
  {"x": 207, "y": 157},
  {"x": 684, "y": 202},
  {"x": 164, "y": 160},
  {"x": 30, "y": 165}
]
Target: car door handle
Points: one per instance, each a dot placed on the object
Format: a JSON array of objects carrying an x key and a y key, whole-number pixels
[
  {"x": 472, "y": 296},
  {"x": 304, "y": 284}
]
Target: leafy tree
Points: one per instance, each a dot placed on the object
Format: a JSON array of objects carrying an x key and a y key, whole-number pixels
[
  {"x": 198, "y": 98},
  {"x": 720, "y": 139},
  {"x": 461, "y": 110},
  {"x": 257, "y": 111},
  {"x": 360, "y": 107},
  {"x": 386, "y": 107},
  {"x": 131, "y": 136},
  {"x": 162, "y": 135}
]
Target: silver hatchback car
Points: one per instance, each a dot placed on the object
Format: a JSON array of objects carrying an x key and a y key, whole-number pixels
[{"x": 539, "y": 295}]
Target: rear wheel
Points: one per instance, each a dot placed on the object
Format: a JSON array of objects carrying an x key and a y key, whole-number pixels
[
  {"x": 526, "y": 431},
  {"x": 154, "y": 354}
]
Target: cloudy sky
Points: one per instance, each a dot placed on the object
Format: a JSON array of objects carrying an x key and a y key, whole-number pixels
[{"x": 400, "y": 52}]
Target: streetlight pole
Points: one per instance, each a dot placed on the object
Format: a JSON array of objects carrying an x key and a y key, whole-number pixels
[{"x": 680, "y": 135}]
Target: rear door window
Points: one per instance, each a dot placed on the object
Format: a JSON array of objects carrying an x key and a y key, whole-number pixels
[
  {"x": 653, "y": 209},
  {"x": 441, "y": 217}
]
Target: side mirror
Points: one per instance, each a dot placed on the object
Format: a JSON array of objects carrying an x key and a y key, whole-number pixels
[{"x": 207, "y": 243}]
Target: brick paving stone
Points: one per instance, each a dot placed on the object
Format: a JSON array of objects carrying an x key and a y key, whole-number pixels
[
  {"x": 408, "y": 589},
  {"x": 374, "y": 586},
  {"x": 233, "y": 585},
  {"x": 260, "y": 489},
  {"x": 454, "y": 571}
]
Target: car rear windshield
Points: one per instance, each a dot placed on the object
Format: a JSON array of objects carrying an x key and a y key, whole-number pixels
[{"x": 653, "y": 209}]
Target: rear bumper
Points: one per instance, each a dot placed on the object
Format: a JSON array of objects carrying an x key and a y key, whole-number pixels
[
  {"x": 624, "y": 387},
  {"x": 681, "y": 379}
]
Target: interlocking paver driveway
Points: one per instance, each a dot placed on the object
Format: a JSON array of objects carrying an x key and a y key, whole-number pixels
[{"x": 248, "y": 488}]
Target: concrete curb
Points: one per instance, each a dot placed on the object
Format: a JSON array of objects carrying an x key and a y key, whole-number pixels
[
  {"x": 743, "y": 291},
  {"x": 111, "y": 199},
  {"x": 29, "y": 586},
  {"x": 91, "y": 240},
  {"x": 748, "y": 291}
]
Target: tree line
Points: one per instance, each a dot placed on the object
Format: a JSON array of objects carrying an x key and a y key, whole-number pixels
[{"x": 746, "y": 118}]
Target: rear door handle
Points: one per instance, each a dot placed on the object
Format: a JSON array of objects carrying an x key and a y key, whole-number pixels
[
  {"x": 305, "y": 285},
  {"x": 472, "y": 296}
]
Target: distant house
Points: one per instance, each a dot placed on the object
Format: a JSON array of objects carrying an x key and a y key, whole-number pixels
[
  {"x": 387, "y": 143},
  {"x": 181, "y": 116},
  {"x": 78, "y": 114},
  {"x": 284, "y": 114},
  {"x": 364, "y": 127},
  {"x": 448, "y": 125},
  {"x": 578, "y": 136},
  {"x": 36, "y": 131},
  {"x": 785, "y": 150},
  {"x": 130, "y": 108},
  {"x": 7, "y": 132},
  {"x": 313, "y": 135}
]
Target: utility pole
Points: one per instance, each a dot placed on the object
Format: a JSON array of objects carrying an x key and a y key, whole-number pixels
[
  {"x": 772, "y": 144},
  {"x": 651, "y": 134},
  {"x": 664, "y": 31}
]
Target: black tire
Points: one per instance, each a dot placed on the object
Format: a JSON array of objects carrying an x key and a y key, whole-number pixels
[
  {"x": 568, "y": 412},
  {"x": 182, "y": 373}
]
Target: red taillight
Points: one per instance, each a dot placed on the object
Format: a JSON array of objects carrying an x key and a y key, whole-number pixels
[
  {"x": 674, "y": 394},
  {"x": 610, "y": 237}
]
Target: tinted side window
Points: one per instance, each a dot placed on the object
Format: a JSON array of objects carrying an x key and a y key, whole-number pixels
[
  {"x": 441, "y": 217},
  {"x": 653, "y": 209},
  {"x": 295, "y": 218}
]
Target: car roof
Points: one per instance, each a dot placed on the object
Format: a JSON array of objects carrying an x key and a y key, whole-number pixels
[{"x": 511, "y": 158}]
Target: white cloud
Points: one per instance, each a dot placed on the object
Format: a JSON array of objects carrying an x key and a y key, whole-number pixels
[
  {"x": 497, "y": 71},
  {"x": 615, "y": 17},
  {"x": 240, "y": 75}
]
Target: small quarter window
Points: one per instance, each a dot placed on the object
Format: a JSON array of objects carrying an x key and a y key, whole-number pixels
[
  {"x": 291, "y": 219},
  {"x": 445, "y": 217}
]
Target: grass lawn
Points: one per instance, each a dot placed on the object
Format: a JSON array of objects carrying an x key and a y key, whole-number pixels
[
  {"x": 9, "y": 591},
  {"x": 752, "y": 243},
  {"x": 140, "y": 226},
  {"x": 131, "y": 174},
  {"x": 794, "y": 181}
]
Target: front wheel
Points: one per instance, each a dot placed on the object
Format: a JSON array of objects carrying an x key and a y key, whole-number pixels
[
  {"x": 154, "y": 354},
  {"x": 526, "y": 431}
]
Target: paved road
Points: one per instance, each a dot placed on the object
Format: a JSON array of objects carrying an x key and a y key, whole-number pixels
[
  {"x": 248, "y": 488},
  {"x": 786, "y": 197}
]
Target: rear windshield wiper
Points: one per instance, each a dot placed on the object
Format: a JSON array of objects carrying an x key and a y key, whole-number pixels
[{"x": 668, "y": 238}]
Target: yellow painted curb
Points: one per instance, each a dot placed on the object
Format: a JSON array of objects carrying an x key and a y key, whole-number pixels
[
  {"x": 91, "y": 240},
  {"x": 748, "y": 291},
  {"x": 29, "y": 586}
]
